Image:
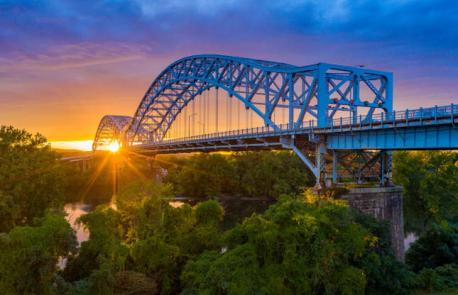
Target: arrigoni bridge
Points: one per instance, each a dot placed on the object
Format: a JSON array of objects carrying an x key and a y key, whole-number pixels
[{"x": 339, "y": 120}]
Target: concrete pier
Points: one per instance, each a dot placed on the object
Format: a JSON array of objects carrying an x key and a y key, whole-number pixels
[{"x": 383, "y": 203}]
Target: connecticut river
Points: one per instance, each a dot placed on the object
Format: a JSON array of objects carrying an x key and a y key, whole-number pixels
[{"x": 74, "y": 211}]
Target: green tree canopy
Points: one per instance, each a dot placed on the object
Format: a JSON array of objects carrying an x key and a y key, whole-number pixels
[
  {"x": 31, "y": 179},
  {"x": 294, "y": 248},
  {"x": 29, "y": 255},
  {"x": 247, "y": 174},
  {"x": 144, "y": 235},
  {"x": 430, "y": 181},
  {"x": 437, "y": 247}
]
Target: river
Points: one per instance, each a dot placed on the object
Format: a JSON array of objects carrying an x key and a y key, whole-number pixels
[
  {"x": 74, "y": 211},
  {"x": 234, "y": 212}
]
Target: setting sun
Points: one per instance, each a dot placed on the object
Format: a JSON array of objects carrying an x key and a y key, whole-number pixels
[{"x": 114, "y": 147}]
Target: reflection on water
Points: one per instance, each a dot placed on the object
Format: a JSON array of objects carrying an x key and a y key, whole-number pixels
[
  {"x": 235, "y": 211},
  {"x": 74, "y": 211},
  {"x": 176, "y": 204},
  {"x": 409, "y": 239}
]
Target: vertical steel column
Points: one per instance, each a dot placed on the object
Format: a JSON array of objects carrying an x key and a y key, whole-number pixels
[
  {"x": 356, "y": 98},
  {"x": 291, "y": 101},
  {"x": 267, "y": 99},
  {"x": 389, "y": 94},
  {"x": 323, "y": 96},
  {"x": 320, "y": 162},
  {"x": 386, "y": 173}
]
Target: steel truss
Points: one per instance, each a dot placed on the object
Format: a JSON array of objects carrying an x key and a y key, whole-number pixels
[
  {"x": 317, "y": 91},
  {"x": 111, "y": 128},
  {"x": 340, "y": 119}
]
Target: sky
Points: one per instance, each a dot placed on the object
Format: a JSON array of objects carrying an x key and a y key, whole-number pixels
[{"x": 64, "y": 64}]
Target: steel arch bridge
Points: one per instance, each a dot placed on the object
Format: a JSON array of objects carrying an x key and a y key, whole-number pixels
[
  {"x": 335, "y": 116},
  {"x": 110, "y": 128},
  {"x": 303, "y": 90}
]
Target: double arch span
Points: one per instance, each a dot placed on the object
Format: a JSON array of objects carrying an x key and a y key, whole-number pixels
[{"x": 320, "y": 92}]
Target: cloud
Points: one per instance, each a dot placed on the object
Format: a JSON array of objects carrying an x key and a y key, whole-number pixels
[
  {"x": 71, "y": 56},
  {"x": 92, "y": 57},
  {"x": 34, "y": 26}
]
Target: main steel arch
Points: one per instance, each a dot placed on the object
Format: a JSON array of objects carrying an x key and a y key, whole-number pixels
[
  {"x": 328, "y": 107},
  {"x": 320, "y": 90}
]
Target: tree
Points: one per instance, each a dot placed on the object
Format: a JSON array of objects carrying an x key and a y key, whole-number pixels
[
  {"x": 430, "y": 181},
  {"x": 203, "y": 175},
  {"x": 437, "y": 247},
  {"x": 294, "y": 248},
  {"x": 270, "y": 174},
  {"x": 248, "y": 174},
  {"x": 104, "y": 253},
  {"x": 169, "y": 236},
  {"x": 145, "y": 239},
  {"x": 29, "y": 255},
  {"x": 31, "y": 178},
  {"x": 385, "y": 275}
]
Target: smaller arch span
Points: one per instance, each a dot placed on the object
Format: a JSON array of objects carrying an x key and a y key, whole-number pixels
[{"x": 111, "y": 128}]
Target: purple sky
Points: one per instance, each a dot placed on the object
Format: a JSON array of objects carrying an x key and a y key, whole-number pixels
[{"x": 65, "y": 64}]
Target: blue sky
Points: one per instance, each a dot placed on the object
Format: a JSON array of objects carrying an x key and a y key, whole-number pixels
[{"x": 64, "y": 64}]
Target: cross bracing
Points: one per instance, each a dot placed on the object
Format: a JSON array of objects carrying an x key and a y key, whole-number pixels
[{"x": 342, "y": 115}]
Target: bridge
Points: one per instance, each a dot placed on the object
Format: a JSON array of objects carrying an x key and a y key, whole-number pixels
[{"x": 338, "y": 119}]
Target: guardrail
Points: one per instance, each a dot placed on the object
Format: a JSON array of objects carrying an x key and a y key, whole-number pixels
[{"x": 381, "y": 120}]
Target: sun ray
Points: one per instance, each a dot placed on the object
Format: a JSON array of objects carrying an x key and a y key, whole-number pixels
[
  {"x": 94, "y": 177},
  {"x": 187, "y": 167},
  {"x": 133, "y": 168}
]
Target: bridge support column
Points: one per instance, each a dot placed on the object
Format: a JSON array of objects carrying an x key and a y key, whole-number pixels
[
  {"x": 319, "y": 167},
  {"x": 386, "y": 168},
  {"x": 334, "y": 167},
  {"x": 320, "y": 162},
  {"x": 155, "y": 170},
  {"x": 383, "y": 203}
]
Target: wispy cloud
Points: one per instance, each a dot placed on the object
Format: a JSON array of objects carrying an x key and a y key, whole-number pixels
[
  {"x": 72, "y": 56},
  {"x": 81, "y": 59}
]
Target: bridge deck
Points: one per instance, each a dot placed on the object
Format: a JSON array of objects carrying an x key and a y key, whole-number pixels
[{"x": 429, "y": 128}]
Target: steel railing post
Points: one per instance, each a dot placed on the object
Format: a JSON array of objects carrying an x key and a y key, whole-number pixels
[{"x": 407, "y": 117}]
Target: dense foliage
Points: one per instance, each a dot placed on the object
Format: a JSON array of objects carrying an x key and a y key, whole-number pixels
[
  {"x": 434, "y": 256},
  {"x": 430, "y": 181},
  {"x": 437, "y": 247},
  {"x": 299, "y": 245},
  {"x": 29, "y": 255},
  {"x": 261, "y": 174},
  {"x": 144, "y": 244},
  {"x": 144, "y": 237},
  {"x": 30, "y": 178},
  {"x": 294, "y": 248}
]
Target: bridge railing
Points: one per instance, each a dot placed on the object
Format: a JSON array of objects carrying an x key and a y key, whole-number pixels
[
  {"x": 405, "y": 118},
  {"x": 381, "y": 120}
]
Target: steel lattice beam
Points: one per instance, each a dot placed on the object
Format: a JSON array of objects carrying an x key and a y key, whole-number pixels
[
  {"x": 317, "y": 90},
  {"x": 350, "y": 107}
]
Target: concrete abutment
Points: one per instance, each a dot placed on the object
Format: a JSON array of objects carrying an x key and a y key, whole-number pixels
[{"x": 383, "y": 203}]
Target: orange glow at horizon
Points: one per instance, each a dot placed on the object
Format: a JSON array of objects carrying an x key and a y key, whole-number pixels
[
  {"x": 73, "y": 94},
  {"x": 82, "y": 145}
]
